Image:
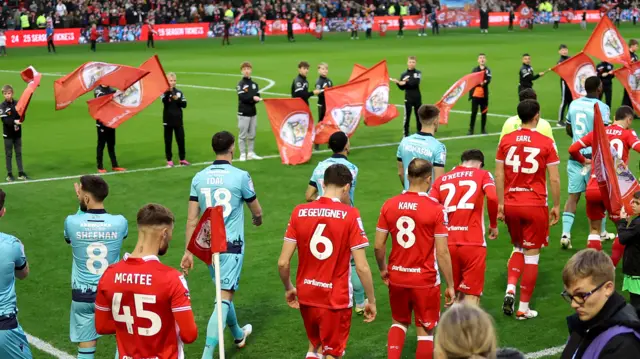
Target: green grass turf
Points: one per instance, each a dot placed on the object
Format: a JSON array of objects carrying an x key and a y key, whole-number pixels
[{"x": 63, "y": 143}]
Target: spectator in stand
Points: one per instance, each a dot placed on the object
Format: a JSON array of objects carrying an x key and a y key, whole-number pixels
[
  {"x": 93, "y": 37},
  {"x": 465, "y": 331},
  {"x": 61, "y": 9}
]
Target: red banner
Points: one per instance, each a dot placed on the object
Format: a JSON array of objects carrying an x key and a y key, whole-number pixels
[
  {"x": 210, "y": 230},
  {"x": 629, "y": 77},
  {"x": 113, "y": 110},
  {"x": 575, "y": 71},
  {"x": 606, "y": 44},
  {"x": 377, "y": 109},
  {"x": 24, "y": 38},
  {"x": 456, "y": 91},
  {"x": 292, "y": 125},
  {"x": 357, "y": 71},
  {"x": 177, "y": 31},
  {"x": 345, "y": 106},
  {"x": 32, "y": 78}
]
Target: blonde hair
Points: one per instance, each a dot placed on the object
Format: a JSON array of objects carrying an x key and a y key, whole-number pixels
[
  {"x": 323, "y": 64},
  {"x": 589, "y": 263},
  {"x": 171, "y": 74},
  {"x": 465, "y": 331}
]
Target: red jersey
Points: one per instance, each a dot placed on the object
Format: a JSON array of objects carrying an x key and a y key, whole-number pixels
[
  {"x": 620, "y": 138},
  {"x": 93, "y": 35},
  {"x": 325, "y": 232},
  {"x": 526, "y": 154},
  {"x": 142, "y": 296},
  {"x": 413, "y": 220},
  {"x": 461, "y": 191}
]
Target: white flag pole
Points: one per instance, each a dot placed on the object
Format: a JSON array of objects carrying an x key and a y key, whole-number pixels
[{"x": 216, "y": 267}]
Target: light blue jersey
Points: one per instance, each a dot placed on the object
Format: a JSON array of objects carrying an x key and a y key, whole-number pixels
[
  {"x": 221, "y": 184},
  {"x": 317, "y": 177},
  {"x": 424, "y": 146},
  {"x": 96, "y": 239},
  {"x": 581, "y": 116},
  {"x": 12, "y": 258}
]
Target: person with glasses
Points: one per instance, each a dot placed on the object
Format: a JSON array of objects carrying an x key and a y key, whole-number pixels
[
  {"x": 604, "y": 325},
  {"x": 629, "y": 235}
]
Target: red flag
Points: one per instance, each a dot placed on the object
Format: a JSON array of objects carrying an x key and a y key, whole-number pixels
[
  {"x": 461, "y": 87},
  {"x": 377, "y": 110},
  {"x": 112, "y": 110},
  {"x": 32, "y": 78},
  {"x": 210, "y": 235},
  {"x": 357, "y": 71},
  {"x": 345, "y": 105},
  {"x": 524, "y": 11},
  {"x": 575, "y": 71},
  {"x": 616, "y": 182},
  {"x": 88, "y": 76},
  {"x": 606, "y": 43},
  {"x": 292, "y": 125},
  {"x": 630, "y": 79}
]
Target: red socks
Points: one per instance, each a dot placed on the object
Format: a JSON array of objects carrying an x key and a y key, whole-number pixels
[
  {"x": 529, "y": 278},
  {"x": 594, "y": 242},
  {"x": 395, "y": 341},
  {"x": 515, "y": 267},
  {"x": 617, "y": 250},
  {"x": 425, "y": 347}
]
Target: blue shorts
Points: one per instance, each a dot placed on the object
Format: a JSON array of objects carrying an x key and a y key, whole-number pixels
[
  {"x": 577, "y": 180},
  {"x": 230, "y": 268},
  {"x": 82, "y": 324},
  {"x": 14, "y": 345}
]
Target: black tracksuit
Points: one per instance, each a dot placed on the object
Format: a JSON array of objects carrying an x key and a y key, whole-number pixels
[
  {"x": 480, "y": 99},
  {"x": 512, "y": 17},
  {"x": 565, "y": 93},
  {"x": 300, "y": 88},
  {"x": 106, "y": 135},
  {"x": 527, "y": 76},
  {"x": 412, "y": 97},
  {"x": 323, "y": 83},
  {"x": 172, "y": 122},
  {"x": 290, "y": 29},
  {"x": 607, "y": 81},
  {"x": 401, "y": 27},
  {"x": 247, "y": 90},
  {"x": 12, "y": 134},
  {"x": 629, "y": 235},
  {"x": 263, "y": 29},
  {"x": 626, "y": 100}
]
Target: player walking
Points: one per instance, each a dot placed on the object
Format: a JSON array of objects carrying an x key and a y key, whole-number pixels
[
  {"x": 96, "y": 238},
  {"x": 144, "y": 302},
  {"x": 339, "y": 144},
  {"x": 223, "y": 185},
  {"x": 579, "y": 123},
  {"x": 418, "y": 228},
  {"x": 522, "y": 160},
  {"x": 422, "y": 145},
  {"x": 327, "y": 234},
  {"x": 462, "y": 192},
  {"x": 13, "y": 342},
  {"x": 623, "y": 138}
]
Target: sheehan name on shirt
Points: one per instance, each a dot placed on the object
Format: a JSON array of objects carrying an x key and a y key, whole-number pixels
[
  {"x": 133, "y": 278},
  {"x": 322, "y": 212}
]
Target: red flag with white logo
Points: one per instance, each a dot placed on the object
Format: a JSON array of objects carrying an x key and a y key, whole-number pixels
[
  {"x": 629, "y": 77},
  {"x": 461, "y": 87},
  {"x": 616, "y": 182},
  {"x": 292, "y": 125},
  {"x": 210, "y": 235},
  {"x": 32, "y": 78},
  {"x": 524, "y": 12},
  {"x": 377, "y": 110},
  {"x": 357, "y": 71},
  {"x": 112, "y": 110},
  {"x": 606, "y": 43},
  {"x": 575, "y": 71},
  {"x": 345, "y": 106},
  {"x": 88, "y": 76}
]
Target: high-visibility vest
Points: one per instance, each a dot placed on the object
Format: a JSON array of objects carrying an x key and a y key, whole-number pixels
[
  {"x": 41, "y": 21},
  {"x": 24, "y": 21},
  {"x": 392, "y": 10},
  {"x": 404, "y": 10}
]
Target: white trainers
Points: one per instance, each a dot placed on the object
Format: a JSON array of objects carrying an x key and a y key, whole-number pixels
[
  {"x": 360, "y": 309},
  {"x": 243, "y": 157},
  {"x": 565, "y": 242},
  {"x": 529, "y": 314},
  {"x": 253, "y": 156},
  {"x": 606, "y": 236},
  {"x": 247, "y": 330}
]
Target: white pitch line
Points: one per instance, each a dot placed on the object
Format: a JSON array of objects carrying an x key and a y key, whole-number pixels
[
  {"x": 270, "y": 82},
  {"x": 545, "y": 352},
  {"x": 47, "y": 348}
]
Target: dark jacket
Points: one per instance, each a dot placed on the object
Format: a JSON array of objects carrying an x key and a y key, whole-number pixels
[
  {"x": 412, "y": 87},
  {"x": 99, "y": 92},
  {"x": 634, "y": 56},
  {"x": 562, "y": 82},
  {"x": 527, "y": 76},
  {"x": 8, "y": 114},
  {"x": 630, "y": 238},
  {"x": 247, "y": 89},
  {"x": 172, "y": 112},
  {"x": 323, "y": 83},
  {"x": 615, "y": 312},
  {"x": 487, "y": 77},
  {"x": 300, "y": 88},
  {"x": 602, "y": 68}
]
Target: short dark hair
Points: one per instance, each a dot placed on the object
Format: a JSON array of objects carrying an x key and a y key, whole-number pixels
[
  {"x": 472, "y": 155},
  {"x": 591, "y": 84},
  {"x": 337, "y": 175},
  {"x": 95, "y": 185},
  {"x": 338, "y": 141},
  {"x": 562, "y": 46},
  {"x": 303, "y": 65},
  {"x": 419, "y": 168},
  {"x": 528, "y": 94},
  {"x": 222, "y": 142},
  {"x": 481, "y": 54},
  {"x": 525, "y": 54},
  {"x": 428, "y": 113},
  {"x": 633, "y": 42},
  {"x": 624, "y": 112},
  {"x": 153, "y": 214},
  {"x": 3, "y": 196},
  {"x": 527, "y": 110}
]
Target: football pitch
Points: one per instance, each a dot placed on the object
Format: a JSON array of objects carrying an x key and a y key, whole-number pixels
[{"x": 59, "y": 146}]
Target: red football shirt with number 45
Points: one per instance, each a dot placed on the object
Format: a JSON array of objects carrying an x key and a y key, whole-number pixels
[
  {"x": 143, "y": 297},
  {"x": 325, "y": 232},
  {"x": 526, "y": 154}
]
